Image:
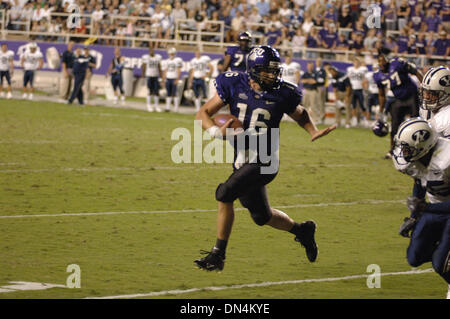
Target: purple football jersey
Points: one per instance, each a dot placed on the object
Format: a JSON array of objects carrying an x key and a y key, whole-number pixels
[
  {"x": 238, "y": 58},
  {"x": 397, "y": 79}
]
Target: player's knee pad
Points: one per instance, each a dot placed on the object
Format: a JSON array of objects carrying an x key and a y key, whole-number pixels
[{"x": 224, "y": 193}]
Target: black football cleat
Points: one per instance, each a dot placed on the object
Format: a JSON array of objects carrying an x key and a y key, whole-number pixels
[
  {"x": 306, "y": 239},
  {"x": 213, "y": 261}
]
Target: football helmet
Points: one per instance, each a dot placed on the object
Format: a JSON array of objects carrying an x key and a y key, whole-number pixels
[
  {"x": 380, "y": 128},
  {"x": 264, "y": 66},
  {"x": 244, "y": 39},
  {"x": 172, "y": 51},
  {"x": 435, "y": 89},
  {"x": 414, "y": 139}
]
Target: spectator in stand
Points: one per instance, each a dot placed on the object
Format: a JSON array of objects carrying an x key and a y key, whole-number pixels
[
  {"x": 445, "y": 15},
  {"x": 344, "y": 18},
  {"x": 342, "y": 43},
  {"x": 308, "y": 24},
  {"x": 370, "y": 40},
  {"x": 402, "y": 42},
  {"x": 358, "y": 43},
  {"x": 421, "y": 44},
  {"x": 416, "y": 20},
  {"x": 237, "y": 25},
  {"x": 317, "y": 11},
  {"x": 285, "y": 11},
  {"x": 178, "y": 12},
  {"x": 263, "y": 7},
  {"x": 390, "y": 15},
  {"x": 441, "y": 46},
  {"x": 312, "y": 42},
  {"x": 403, "y": 13},
  {"x": 329, "y": 37},
  {"x": 273, "y": 36},
  {"x": 298, "y": 42},
  {"x": 98, "y": 13},
  {"x": 331, "y": 15},
  {"x": 433, "y": 21}
]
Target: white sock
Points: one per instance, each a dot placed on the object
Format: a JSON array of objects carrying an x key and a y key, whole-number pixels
[
  {"x": 156, "y": 100},
  {"x": 148, "y": 99},
  {"x": 168, "y": 102},
  {"x": 122, "y": 98},
  {"x": 197, "y": 104},
  {"x": 177, "y": 103}
]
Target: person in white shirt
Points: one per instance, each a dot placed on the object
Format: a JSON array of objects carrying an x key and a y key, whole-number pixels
[
  {"x": 291, "y": 70},
  {"x": 372, "y": 89},
  {"x": 151, "y": 69},
  {"x": 98, "y": 13},
  {"x": 200, "y": 69},
  {"x": 31, "y": 60},
  {"x": 356, "y": 75},
  {"x": 6, "y": 69},
  {"x": 435, "y": 99},
  {"x": 171, "y": 68}
]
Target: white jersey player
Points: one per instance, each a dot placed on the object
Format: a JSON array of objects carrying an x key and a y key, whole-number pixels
[
  {"x": 435, "y": 93},
  {"x": 31, "y": 61},
  {"x": 151, "y": 69},
  {"x": 356, "y": 75},
  {"x": 420, "y": 153},
  {"x": 291, "y": 71},
  {"x": 6, "y": 69},
  {"x": 200, "y": 69},
  {"x": 171, "y": 68}
]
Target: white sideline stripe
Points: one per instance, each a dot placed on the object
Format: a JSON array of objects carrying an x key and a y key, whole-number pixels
[
  {"x": 101, "y": 169},
  {"x": 199, "y": 210},
  {"x": 256, "y": 285}
]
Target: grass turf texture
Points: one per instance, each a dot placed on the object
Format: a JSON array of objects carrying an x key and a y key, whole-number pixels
[{"x": 58, "y": 159}]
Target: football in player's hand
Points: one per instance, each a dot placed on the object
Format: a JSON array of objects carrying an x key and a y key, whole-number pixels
[{"x": 221, "y": 119}]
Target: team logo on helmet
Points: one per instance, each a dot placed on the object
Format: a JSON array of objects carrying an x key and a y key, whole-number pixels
[
  {"x": 445, "y": 81},
  {"x": 421, "y": 136}
]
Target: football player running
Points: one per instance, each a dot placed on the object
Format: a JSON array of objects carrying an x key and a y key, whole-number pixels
[
  {"x": 259, "y": 99},
  {"x": 435, "y": 97},
  {"x": 6, "y": 69},
  {"x": 236, "y": 55},
  {"x": 394, "y": 74},
  {"x": 420, "y": 153}
]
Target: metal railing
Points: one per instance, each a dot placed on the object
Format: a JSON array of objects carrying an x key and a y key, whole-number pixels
[{"x": 200, "y": 36}]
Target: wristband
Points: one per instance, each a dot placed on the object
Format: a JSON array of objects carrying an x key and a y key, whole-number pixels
[{"x": 214, "y": 131}]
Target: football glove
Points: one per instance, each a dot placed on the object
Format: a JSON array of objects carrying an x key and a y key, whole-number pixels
[
  {"x": 407, "y": 227},
  {"x": 416, "y": 205}
]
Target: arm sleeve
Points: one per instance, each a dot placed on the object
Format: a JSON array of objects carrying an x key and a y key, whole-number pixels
[
  {"x": 294, "y": 100},
  {"x": 224, "y": 84},
  {"x": 418, "y": 190}
]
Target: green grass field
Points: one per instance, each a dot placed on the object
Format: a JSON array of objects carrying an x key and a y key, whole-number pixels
[{"x": 56, "y": 159}]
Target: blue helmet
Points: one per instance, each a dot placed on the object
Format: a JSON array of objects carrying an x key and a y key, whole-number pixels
[
  {"x": 380, "y": 128},
  {"x": 244, "y": 39},
  {"x": 264, "y": 59}
]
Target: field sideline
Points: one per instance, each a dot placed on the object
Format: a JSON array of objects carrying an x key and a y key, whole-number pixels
[{"x": 96, "y": 187}]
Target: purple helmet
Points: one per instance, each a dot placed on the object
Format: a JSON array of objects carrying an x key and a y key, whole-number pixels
[
  {"x": 264, "y": 59},
  {"x": 380, "y": 128},
  {"x": 244, "y": 39}
]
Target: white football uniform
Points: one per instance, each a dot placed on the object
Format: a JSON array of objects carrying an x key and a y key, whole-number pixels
[
  {"x": 356, "y": 76},
  {"x": 31, "y": 60},
  {"x": 289, "y": 72},
  {"x": 5, "y": 60},
  {"x": 152, "y": 63},
  {"x": 171, "y": 67},
  {"x": 440, "y": 121},
  {"x": 373, "y": 87},
  {"x": 436, "y": 176},
  {"x": 200, "y": 66}
]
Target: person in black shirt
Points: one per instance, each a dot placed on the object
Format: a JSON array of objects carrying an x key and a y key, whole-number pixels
[
  {"x": 87, "y": 80},
  {"x": 66, "y": 72},
  {"x": 80, "y": 66},
  {"x": 321, "y": 78}
]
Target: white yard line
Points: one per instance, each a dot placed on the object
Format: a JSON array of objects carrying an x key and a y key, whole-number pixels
[
  {"x": 101, "y": 169},
  {"x": 199, "y": 210},
  {"x": 257, "y": 285}
]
